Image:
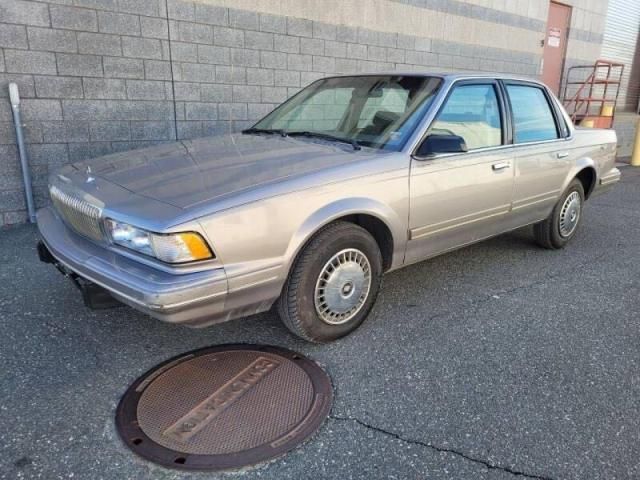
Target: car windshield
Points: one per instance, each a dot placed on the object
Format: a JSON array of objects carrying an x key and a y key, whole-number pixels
[{"x": 379, "y": 111}]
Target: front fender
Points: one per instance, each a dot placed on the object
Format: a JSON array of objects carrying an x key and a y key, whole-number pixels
[{"x": 345, "y": 207}]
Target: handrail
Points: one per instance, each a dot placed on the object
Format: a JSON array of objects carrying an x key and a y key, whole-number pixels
[{"x": 579, "y": 104}]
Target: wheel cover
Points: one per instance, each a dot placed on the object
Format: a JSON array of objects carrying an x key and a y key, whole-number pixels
[
  {"x": 343, "y": 286},
  {"x": 570, "y": 214}
]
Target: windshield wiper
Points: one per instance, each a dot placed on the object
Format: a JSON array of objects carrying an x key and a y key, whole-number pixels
[
  {"x": 265, "y": 130},
  {"x": 327, "y": 136}
]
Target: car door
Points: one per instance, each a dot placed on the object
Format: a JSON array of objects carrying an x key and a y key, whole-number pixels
[
  {"x": 459, "y": 198},
  {"x": 541, "y": 149}
]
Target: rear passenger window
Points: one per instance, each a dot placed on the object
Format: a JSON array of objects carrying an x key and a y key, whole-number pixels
[
  {"x": 471, "y": 112},
  {"x": 532, "y": 116}
]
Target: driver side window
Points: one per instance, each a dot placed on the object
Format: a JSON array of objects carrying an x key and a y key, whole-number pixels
[{"x": 473, "y": 113}]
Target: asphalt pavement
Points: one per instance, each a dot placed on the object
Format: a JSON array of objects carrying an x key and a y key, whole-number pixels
[{"x": 497, "y": 361}]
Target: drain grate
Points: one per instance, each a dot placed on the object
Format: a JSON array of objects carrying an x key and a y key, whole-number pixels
[{"x": 224, "y": 407}]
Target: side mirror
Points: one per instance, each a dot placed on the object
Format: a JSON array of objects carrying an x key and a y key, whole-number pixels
[{"x": 441, "y": 144}]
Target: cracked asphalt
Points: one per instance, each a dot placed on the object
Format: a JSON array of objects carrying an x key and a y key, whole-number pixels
[{"x": 497, "y": 361}]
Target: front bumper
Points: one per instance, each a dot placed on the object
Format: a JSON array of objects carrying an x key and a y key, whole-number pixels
[{"x": 195, "y": 298}]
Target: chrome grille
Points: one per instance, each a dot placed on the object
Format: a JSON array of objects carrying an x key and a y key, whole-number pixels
[{"x": 79, "y": 214}]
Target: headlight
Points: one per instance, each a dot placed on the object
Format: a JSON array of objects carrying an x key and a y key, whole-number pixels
[{"x": 170, "y": 248}]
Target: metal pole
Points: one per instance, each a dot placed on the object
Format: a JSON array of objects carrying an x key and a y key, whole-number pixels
[
  {"x": 24, "y": 163},
  {"x": 635, "y": 155}
]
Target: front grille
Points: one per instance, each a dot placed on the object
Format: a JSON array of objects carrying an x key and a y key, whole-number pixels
[{"x": 79, "y": 214}]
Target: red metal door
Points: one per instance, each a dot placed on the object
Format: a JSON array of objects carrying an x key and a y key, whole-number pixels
[{"x": 555, "y": 44}]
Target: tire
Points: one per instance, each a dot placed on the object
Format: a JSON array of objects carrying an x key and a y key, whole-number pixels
[
  {"x": 305, "y": 296},
  {"x": 557, "y": 230}
]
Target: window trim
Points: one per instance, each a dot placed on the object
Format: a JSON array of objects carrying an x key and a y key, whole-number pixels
[
  {"x": 562, "y": 121},
  {"x": 550, "y": 103},
  {"x": 505, "y": 124}
]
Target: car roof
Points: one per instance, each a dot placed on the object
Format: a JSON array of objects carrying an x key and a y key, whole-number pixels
[{"x": 451, "y": 76}]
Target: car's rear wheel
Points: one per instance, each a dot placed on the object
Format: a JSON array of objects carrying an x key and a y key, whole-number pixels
[
  {"x": 561, "y": 226},
  {"x": 333, "y": 283}
]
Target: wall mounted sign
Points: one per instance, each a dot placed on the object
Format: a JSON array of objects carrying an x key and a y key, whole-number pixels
[{"x": 553, "y": 39}]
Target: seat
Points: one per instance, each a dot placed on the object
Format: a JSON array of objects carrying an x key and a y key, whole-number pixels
[{"x": 382, "y": 120}]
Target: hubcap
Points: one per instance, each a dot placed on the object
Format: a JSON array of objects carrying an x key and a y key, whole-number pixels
[
  {"x": 343, "y": 286},
  {"x": 570, "y": 214}
]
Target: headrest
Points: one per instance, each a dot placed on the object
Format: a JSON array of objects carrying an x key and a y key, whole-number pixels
[{"x": 384, "y": 118}]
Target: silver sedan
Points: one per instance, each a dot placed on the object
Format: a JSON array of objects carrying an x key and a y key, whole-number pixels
[{"x": 352, "y": 177}]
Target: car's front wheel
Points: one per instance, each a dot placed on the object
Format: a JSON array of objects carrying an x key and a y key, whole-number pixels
[
  {"x": 561, "y": 226},
  {"x": 333, "y": 283}
]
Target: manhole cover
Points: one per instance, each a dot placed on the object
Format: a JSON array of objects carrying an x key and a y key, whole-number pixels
[{"x": 224, "y": 407}]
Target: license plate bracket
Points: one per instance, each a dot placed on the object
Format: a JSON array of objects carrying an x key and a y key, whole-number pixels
[{"x": 94, "y": 296}]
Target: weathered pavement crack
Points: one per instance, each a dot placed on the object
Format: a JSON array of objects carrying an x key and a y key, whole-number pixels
[{"x": 479, "y": 461}]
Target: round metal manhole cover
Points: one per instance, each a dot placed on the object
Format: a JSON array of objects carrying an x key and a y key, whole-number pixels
[{"x": 224, "y": 407}]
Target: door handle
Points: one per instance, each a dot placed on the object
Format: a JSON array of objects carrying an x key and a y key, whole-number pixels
[
  {"x": 562, "y": 154},
  {"x": 500, "y": 166}
]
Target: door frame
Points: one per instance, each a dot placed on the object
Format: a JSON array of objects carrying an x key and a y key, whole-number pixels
[
  {"x": 566, "y": 43},
  {"x": 561, "y": 127},
  {"x": 414, "y": 252},
  {"x": 539, "y": 205},
  {"x": 507, "y": 129}
]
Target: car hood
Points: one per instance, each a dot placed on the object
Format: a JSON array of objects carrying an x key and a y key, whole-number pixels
[{"x": 187, "y": 173}]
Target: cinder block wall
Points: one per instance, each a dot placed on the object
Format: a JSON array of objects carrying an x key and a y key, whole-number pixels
[
  {"x": 626, "y": 125},
  {"x": 100, "y": 76}
]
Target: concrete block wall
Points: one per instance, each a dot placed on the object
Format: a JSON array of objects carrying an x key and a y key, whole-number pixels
[
  {"x": 100, "y": 76},
  {"x": 586, "y": 31},
  {"x": 625, "y": 125}
]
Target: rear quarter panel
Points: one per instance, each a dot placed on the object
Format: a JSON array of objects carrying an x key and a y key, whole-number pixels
[
  {"x": 595, "y": 148},
  {"x": 542, "y": 177}
]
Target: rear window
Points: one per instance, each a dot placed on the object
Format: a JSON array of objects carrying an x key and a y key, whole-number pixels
[{"x": 532, "y": 115}]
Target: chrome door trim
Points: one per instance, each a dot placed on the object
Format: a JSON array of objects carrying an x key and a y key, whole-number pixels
[
  {"x": 414, "y": 141},
  {"x": 426, "y": 230},
  {"x": 492, "y": 149},
  {"x": 535, "y": 199}
]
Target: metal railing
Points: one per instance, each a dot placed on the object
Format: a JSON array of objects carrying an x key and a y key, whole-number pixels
[{"x": 593, "y": 86}]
